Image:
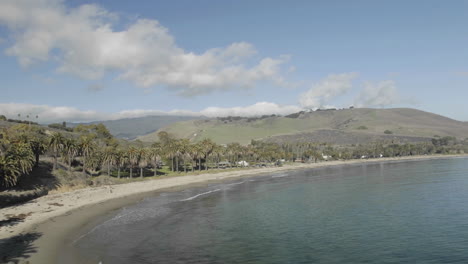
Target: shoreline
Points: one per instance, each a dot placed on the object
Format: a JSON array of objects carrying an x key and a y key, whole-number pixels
[{"x": 51, "y": 218}]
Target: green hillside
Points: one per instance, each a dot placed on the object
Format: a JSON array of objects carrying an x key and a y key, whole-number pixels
[
  {"x": 334, "y": 126},
  {"x": 130, "y": 128}
]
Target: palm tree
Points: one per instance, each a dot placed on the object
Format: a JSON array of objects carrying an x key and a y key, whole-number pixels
[
  {"x": 143, "y": 160},
  {"x": 55, "y": 145},
  {"x": 191, "y": 154},
  {"x": 133, "y": 159},
  {"x": 34, "y": 136},
  {"x": 69, "y": 151},
  {"x": 177, "y": 146},
  {"x": 168, "y": 150},
  {"x": 109, "y": 158},
  {"x": 198, "y": 153},
  {"x": 38, "y": 147},
  {"x": 207, "y": 147},
  {"x": 184, "y": 151},
  {"x": 121, "y": 160},
  {"x": 94, "y": 160},
  {"x": 217, "y": 152},
  {"x": 87, "y": 147},
  {"x": 234, "y": 150},
  {"x": 154, "y": 155}
]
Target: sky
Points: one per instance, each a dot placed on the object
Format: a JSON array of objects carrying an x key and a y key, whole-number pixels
[{"x": 84, "y": 60}]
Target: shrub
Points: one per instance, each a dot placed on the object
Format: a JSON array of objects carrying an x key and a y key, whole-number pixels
[
  {"x": 388, "y": 132},
  {"x": 362, "y": 128}
]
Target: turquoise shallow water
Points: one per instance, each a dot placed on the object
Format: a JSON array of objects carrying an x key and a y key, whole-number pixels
[{"x": 404, "y": 212}]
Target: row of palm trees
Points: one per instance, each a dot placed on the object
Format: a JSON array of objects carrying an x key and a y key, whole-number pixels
[
  {"x": 93, "y": 153},
  {"x": 96, "y": 151}
]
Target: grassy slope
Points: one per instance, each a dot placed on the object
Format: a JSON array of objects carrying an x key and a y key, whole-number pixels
[
  {"x": 401, "y": 121},
  {"x": 130, "y": 128}
]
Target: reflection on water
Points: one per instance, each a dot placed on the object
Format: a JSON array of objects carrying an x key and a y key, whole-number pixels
[{"x": 411, "y": 212}]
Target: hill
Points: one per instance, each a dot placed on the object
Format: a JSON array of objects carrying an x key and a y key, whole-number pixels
[
  {"x": 130, "y": 128},
  {"x": 344, "y": 126}
]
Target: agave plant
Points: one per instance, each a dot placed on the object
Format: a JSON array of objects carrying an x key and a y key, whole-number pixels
[{"x": 18, "y": 159}]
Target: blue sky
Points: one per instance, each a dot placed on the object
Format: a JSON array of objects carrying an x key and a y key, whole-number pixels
[{"x": 82, "y": 60}]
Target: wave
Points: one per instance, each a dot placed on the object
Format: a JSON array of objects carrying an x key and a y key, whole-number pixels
[
  {"x": 236, "y": 183},
  {"x": 200, "y": 194},
  {"x": 98, "y": 226},
  {"x": 280, "y": 176}
]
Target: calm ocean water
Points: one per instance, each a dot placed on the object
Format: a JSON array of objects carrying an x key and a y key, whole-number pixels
[{"x": 405, "y": 212}]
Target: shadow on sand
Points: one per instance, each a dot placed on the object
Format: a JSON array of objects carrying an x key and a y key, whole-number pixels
[
  {"x": 13, "y": 249},
  {"x": 11, "y": 221},
  {"x": 31, "y": 186}
]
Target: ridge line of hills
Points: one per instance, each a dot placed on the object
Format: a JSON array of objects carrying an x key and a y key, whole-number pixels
[{"x": 344, "y": 126}]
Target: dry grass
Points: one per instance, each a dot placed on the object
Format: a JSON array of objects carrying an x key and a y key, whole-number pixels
[{"x": 408, "y": 124}]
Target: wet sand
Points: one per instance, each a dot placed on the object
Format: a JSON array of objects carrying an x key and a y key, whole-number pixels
[{"x": 53, "y": 218}]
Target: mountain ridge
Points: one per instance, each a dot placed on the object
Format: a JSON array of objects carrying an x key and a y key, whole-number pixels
[
  {"x": 131, "y": 128},
  {"x": 407, "y": 124}
]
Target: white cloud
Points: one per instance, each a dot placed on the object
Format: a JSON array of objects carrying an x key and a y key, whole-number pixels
[
  {"x": 381, "y": 94},
  {"x": 258, "y": 109},
  {"x": 51, "y": 114},
  {"x": 330, "y": 87},
  {"x": 48, "y": 114},
  {"x": 83, "y": 41}
]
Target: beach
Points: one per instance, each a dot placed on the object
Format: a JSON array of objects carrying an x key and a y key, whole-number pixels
[{"x": 49, "y": 219}]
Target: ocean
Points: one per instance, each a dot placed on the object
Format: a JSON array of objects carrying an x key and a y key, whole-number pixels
[{"x": 393, "y": 212}]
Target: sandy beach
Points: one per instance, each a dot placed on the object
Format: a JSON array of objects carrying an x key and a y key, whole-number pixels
[{"x": 48, "y": 219}]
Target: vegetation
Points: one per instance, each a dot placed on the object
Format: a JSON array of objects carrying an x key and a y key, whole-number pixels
[
  {"x": 130, "y": 128},
  {"x": 91, "y": 155},
  {"x": 359, "y": 124},
  {"x": 62, "y": 126}
]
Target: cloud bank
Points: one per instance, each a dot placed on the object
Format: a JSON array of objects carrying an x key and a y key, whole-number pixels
[
  {"x": 51, "y": 114},
  {"x": 379, "y": 94},
  {"x": 325, "y": 90},
  {"x": 84, "y": 41}
]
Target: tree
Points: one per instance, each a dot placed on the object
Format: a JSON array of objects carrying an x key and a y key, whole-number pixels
[
  {"x": 15, "y": 160},
  {"x": 133, "y": 159},
  {"x": 95, "y": 160},
  {"x": 34, "y": 136},
  {"x": 55, "y": 145},
  {"x": 154, "y": 156},
  {"x": 176, "y": 151},
  {"x": 9, "y": 171},
  {"x": 38, "y": 146},
  {"x": 207, "y": 147},
  {"x": 234, "y": 150},
  {"x": 168, "y": 146},
  {"x": 143, "y": 160},
  {"x": 70, "y": 150},
  {"x": 185, "y": 150},
  {"x": 109, "y": 158},
  {"x": 198, "y": 154},
  {"x": 121, "y": 160},
  {"x": 87, "y": 147},
  {"x": 217, "y": 153}
]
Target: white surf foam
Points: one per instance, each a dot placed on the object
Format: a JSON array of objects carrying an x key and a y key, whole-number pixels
[{"x": 200, "y": 194}]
